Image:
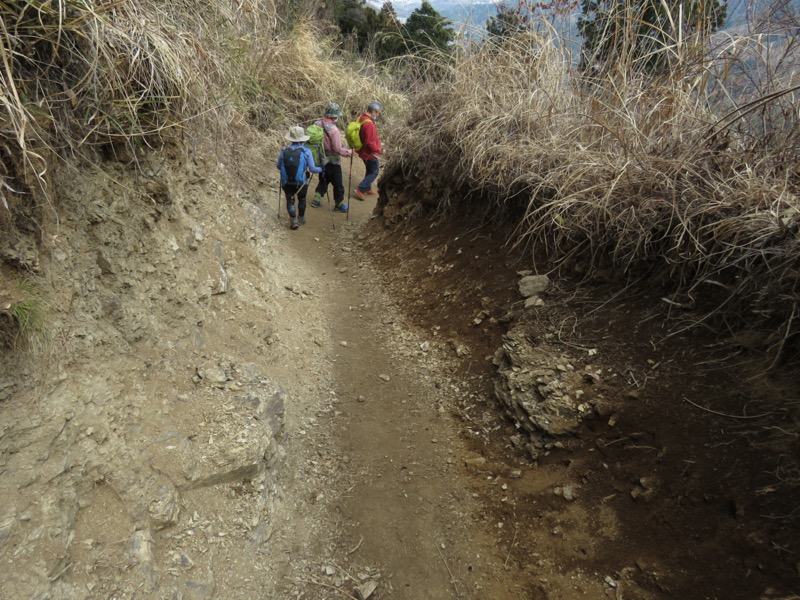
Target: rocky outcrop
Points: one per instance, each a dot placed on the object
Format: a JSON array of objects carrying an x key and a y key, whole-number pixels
[{"x": 541, "y": 390}]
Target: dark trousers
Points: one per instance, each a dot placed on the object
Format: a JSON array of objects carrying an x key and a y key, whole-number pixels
[
  {"x": 291, "y": 190},
  {"x": 332, "y": 175}
]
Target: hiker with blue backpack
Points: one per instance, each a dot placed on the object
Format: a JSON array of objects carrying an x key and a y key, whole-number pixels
[
  {"x": 332, "y": 150},
  {"x": 294, "y": 163}
]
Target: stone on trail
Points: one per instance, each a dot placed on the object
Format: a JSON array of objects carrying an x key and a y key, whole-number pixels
[
  {"x": 534, "y": 302},
  {"x": 365, "y": 590},
  {"x": 384, "y": 377},
  {"x": 532, "y": 285}
]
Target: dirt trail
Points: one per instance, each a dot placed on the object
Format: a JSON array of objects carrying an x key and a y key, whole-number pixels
[
  {"x": 232, "y": 409},
  {"x": 395, "y": 493}
]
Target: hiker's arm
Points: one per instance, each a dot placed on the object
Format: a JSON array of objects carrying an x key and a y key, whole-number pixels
[
  {"x": 310, "y": 162},
  {"x": 336, "y": 143}
]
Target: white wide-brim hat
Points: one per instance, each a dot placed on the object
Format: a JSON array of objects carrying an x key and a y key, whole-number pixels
[{"x": 296, "y": 134}]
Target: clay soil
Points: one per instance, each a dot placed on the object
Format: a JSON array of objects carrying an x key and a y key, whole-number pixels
[{"x": 687, "y": 477}]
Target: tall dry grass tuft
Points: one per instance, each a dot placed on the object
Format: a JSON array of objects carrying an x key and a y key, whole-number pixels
[
  {"x": 301, "y": 73},
  {"x": 76, "y": 74},
  {"x": 690, "y": 178}
]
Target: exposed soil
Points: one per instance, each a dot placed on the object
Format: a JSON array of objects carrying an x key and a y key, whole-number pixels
[
  {"x": 685, "y": 478},
  {"x": 230, "y": 409}
]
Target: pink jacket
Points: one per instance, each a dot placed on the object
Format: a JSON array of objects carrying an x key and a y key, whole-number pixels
[{"x": 332, "y": 142}]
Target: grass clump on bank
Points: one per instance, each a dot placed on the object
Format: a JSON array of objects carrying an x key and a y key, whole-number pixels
[
  {"x": 22, "y": 315},
  {"x": 688, "y": 177}
]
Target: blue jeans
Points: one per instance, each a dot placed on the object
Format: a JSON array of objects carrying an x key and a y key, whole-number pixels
[{"x": 373, "y": 166}]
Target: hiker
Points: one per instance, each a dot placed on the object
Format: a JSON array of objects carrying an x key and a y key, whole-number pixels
[
  {"x": 294, "y": 163},
  {"x": 332, "y": 146},
  {"x": 370, "y": 148}
]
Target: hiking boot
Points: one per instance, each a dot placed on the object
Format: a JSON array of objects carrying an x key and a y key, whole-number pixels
[
  {"x": 301, "y": 220},
  {"x": 317, "y": 201},
  {"x": 341, "y": 208},
  {"x": 295, "y": 223},
  {"x": 371, "y": 192},
  {"x": 359, "y": 194}
]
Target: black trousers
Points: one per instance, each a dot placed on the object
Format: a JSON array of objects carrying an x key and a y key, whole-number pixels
[
  {"x": 332, "y": 175},
  {"x": 291, "y": 190}
]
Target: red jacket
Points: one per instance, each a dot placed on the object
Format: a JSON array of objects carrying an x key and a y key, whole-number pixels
[{"x": 369, "y": 138}]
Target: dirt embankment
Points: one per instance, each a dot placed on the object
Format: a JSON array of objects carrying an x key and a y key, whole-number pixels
[
  {"x": 228, "y": 409},
  {"x": 663, "y": 461}
]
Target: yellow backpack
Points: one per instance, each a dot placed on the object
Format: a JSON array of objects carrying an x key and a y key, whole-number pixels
[{"x": 353, "y": 135}]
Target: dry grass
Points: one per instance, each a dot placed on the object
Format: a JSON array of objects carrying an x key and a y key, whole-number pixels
[
  {"x": 77, "y": 74},
  {"x": 690, "y": 178}
]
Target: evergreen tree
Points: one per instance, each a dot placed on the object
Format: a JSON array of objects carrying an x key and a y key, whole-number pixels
[
  {"x": 389, "y": 39},
  {"x": 642, "y": 30},
  {"x": 356, "y": 19},
  {"x": 511, "y": 18},
  {"x": 427, "y": 29}
]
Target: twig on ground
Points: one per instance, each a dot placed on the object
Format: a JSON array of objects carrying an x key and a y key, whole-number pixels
[
  {"x": 722, "y": 414},
  {"x": 319, "y": 583},
  {"x": 781, "y": 344},
  {"x": 346, "y": 573},
  {"x": 452, "y": 578},
  {"x": 505, "y": 564},
  {"x": 358, "y": 545}
]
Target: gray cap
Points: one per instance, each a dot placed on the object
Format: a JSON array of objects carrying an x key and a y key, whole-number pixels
[
  {"x": 333, "y": 110},
  {"x": 374, "y": 106}
]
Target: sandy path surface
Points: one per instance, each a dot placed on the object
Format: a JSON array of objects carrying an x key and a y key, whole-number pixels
[{"x": 389, "y": 486}]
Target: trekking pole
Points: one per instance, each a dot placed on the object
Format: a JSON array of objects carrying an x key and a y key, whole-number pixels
[
  {"x": 333, "y": 222},
  {"x": 278, "y": 215},
  {"x": 349, "y": 186}
]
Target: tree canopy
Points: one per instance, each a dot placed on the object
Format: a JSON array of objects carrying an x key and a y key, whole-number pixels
[
  {"x": 383, "y": 31},
  {"x": 511, "y": 18},
  {"x": 426, "y": 28}
]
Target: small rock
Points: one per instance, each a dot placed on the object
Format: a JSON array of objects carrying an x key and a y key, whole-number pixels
[
  {"x": 384, "y": 377},
  {"x": 365, "y": 590},
  {"x": 475, "y": 463},
  {"x": 425, "y": 346},
  {"x": 515, "y": 474},
  {"x": 568, "y": 493},
  {"x": 534, "y": 302},
  {"x": 531, "y": 285},
  {"x": 361, "y": 399},
  {"x": 343, "y": 344},
  {"x": 329, "y": 570}
]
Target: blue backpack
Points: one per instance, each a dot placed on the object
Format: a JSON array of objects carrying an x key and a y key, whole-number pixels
[{"x": 293, "y": 169}]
